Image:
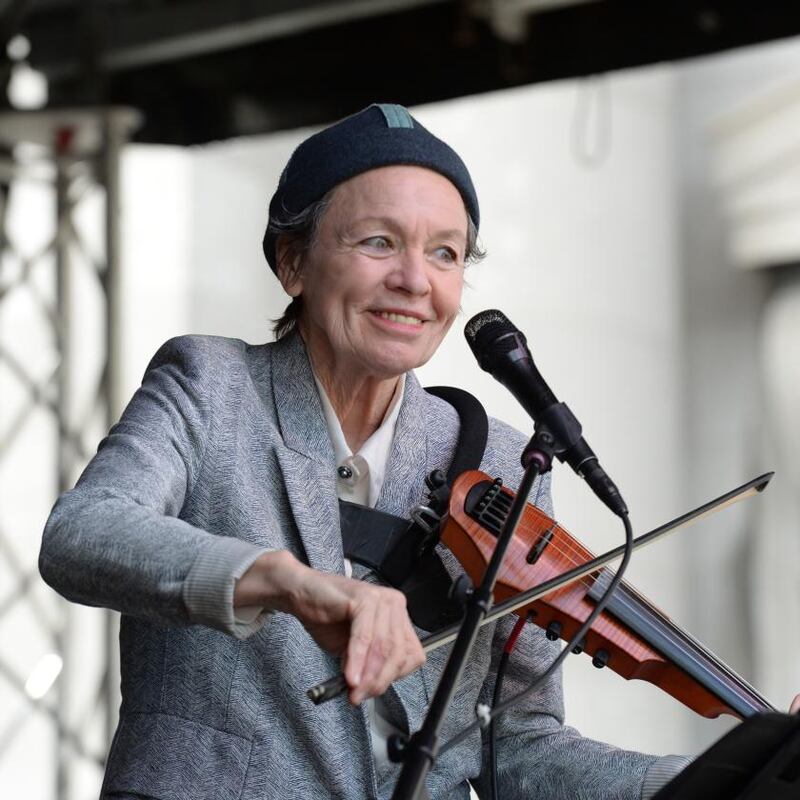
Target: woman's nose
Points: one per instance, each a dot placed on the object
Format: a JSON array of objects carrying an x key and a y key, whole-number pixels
[{"x": 411, "y": 273}]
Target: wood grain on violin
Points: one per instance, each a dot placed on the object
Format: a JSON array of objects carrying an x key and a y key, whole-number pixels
[{"x": 631, "y": 636}]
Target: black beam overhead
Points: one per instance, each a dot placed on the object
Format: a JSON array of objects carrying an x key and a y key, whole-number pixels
[{"x": 202, "y": 70}]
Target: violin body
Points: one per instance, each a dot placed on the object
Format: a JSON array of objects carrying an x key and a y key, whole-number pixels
[{"x": 631, "y": 636}]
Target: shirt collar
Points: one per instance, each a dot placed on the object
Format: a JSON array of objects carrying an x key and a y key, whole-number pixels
[{"x": 368, "y": 465}]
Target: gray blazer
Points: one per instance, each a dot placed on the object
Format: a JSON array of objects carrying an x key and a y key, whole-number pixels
[{"x": 222, "y": 452}]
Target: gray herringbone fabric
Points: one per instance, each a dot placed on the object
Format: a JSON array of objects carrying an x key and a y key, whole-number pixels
[{"x": 221, "y": 453}]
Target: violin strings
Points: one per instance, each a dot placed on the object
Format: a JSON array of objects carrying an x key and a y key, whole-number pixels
[
  {"x": 573, "y": 556},
  {"x": 562, "y": 545}
]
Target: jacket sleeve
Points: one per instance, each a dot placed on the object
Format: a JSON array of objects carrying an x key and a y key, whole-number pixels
[{"x": 117, "y": 540}]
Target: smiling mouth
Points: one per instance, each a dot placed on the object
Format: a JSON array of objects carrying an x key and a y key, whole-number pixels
[{"x": 402, "y": 318}]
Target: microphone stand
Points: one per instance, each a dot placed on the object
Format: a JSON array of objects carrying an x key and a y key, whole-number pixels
[{"x": 419, "y": 752}]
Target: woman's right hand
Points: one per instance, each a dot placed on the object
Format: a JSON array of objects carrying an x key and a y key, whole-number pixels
[{"x": 366, "y": 625}]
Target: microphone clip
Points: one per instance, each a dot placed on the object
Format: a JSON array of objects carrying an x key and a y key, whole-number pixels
[
  {"x": 556, "y": 431},
  {"x": 563, "y": 425},
  {"x": 539, "y": 450}
]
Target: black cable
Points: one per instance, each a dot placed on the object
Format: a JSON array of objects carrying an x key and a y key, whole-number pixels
[
  {"x": 509, "y": 646},
  {"x": 582, "y": 631},
  {"x": 501, "y": 671}
]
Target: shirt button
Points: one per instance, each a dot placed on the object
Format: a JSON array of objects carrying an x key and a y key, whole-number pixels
[{"x": 352, "y": 470}]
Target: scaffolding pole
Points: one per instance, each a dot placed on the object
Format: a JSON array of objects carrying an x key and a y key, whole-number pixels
[{"x": 59, "y": 372}]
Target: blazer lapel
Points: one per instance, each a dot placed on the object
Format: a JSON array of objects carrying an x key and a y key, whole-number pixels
[{"x": 307, "y": 462}]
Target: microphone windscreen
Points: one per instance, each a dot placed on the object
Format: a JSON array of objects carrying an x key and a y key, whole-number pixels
[{"x": 487, "y": 334}]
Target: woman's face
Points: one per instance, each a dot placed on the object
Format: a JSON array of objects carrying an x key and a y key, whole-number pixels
[{"x": 382, "y": 283}]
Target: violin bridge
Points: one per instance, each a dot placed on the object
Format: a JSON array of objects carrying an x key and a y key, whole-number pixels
[{"x": 542, "y": 542}]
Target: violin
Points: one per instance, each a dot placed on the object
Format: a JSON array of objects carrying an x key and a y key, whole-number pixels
[{"x": 631, "y": 636}]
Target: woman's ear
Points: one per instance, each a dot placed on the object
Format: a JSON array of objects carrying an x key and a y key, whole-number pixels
[{"x": 288, "y": 259}]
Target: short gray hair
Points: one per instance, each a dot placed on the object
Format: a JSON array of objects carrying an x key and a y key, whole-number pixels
[{"x": 300, "y": 232}]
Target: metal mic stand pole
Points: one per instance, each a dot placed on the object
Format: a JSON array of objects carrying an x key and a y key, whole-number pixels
[{"x": 419, "y": 752}]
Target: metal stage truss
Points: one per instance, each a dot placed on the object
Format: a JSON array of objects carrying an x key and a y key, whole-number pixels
[{"x": 59, "y": 298}]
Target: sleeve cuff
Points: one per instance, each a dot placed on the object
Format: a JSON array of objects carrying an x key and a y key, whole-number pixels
[
  {"x": 661, "y": 772},
  {"x": 208, "y": 589}
]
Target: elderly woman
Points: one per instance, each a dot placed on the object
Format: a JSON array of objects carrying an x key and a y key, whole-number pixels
[{"x": 209, "y": 516}]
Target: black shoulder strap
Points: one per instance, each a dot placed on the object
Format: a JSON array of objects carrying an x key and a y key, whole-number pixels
[{"x": 474, "y": 429}]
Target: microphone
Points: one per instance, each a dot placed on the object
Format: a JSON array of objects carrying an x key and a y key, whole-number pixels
[{"x": 502, "y": 350}]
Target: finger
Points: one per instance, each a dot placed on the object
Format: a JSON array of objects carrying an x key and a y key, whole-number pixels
[
  {"x": 794, "y": 708},
  {"x": 382, "y": 658},
  {"x": 391, "y": 644},
  {"x": 415, "y": 653},
  {"x": 357, "y": 666}
]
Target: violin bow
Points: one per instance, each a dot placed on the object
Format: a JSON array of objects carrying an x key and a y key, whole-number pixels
[{"x": 333, "y": 687}]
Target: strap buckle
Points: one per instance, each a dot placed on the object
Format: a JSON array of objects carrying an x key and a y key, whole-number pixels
[{"x": 427, "y": 519}]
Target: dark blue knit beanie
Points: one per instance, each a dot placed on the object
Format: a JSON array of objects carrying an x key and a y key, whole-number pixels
[{"x": 379, "y": 136}]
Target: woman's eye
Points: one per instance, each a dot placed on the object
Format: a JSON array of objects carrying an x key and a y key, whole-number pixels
[
  {"x": 446, "y": 255},
  {"x": 377, "y": 243}
]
